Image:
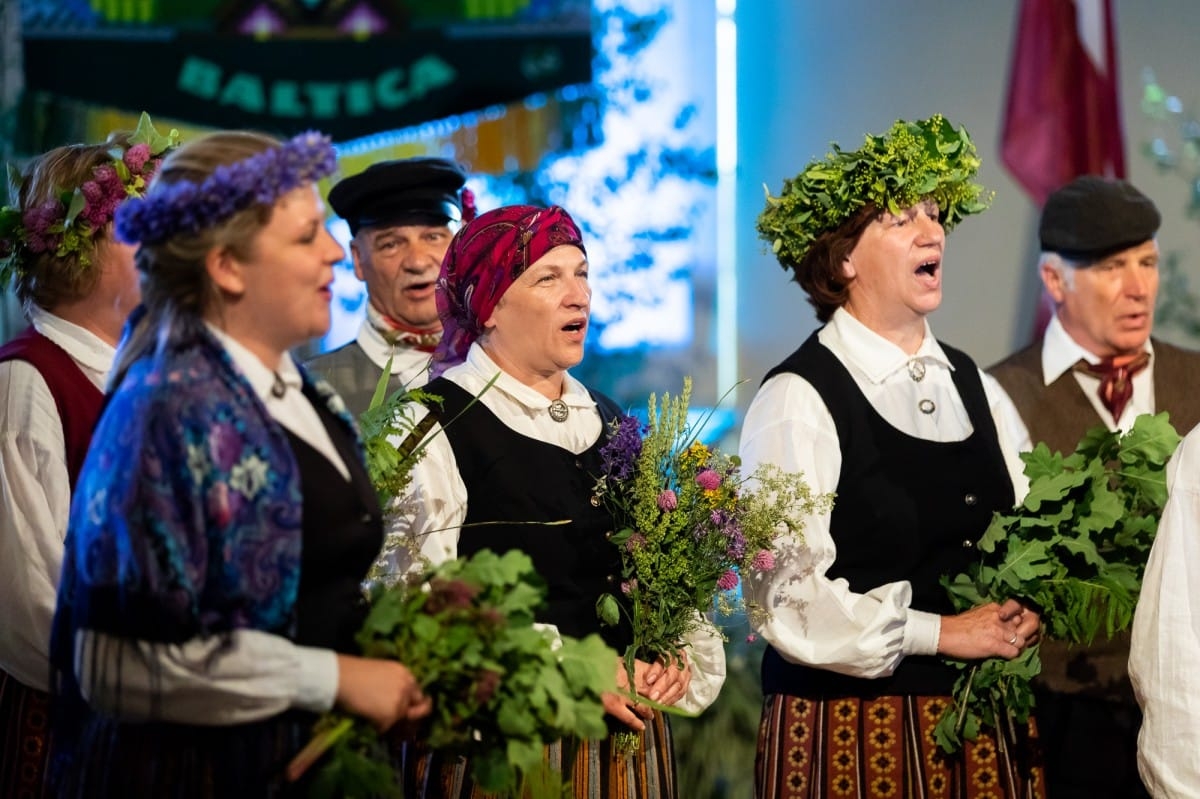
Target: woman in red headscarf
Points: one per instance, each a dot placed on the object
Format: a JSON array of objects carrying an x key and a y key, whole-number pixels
[{"x": 514, "y": 300}]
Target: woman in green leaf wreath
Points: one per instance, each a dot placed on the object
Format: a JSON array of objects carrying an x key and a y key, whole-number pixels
[
  {"x": 515, "y": 301},
  {"x": 920, "y": 449}
]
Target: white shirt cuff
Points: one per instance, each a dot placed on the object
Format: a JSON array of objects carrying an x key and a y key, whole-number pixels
[
  {"x": 316, "y": 679},
  {"x": 921, "y": 632}
]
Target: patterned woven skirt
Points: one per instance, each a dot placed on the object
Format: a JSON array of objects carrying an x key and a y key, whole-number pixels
[
  {"x": 883, "y": 747},
  {"x": 592, "y": 768},
  {"x": 24, "y": 740}
]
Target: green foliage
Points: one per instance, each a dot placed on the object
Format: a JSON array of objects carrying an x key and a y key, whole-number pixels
[
  {"x": 382, "y": 424},
  {"x": 914, "y": 160},
  {"x": 501, "y": 688},
  {"x": 1075, "y": 547}
]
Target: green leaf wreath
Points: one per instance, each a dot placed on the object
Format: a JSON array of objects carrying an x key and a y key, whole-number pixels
[{"x": 1075, "y": 548}]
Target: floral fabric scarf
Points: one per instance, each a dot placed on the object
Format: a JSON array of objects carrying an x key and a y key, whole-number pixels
[{"x": 484, "y": 259}]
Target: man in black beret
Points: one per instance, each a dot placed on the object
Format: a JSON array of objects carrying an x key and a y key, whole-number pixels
[
  {"x": 402, "y": 215},
  {"x": 1096, "y": 364}
]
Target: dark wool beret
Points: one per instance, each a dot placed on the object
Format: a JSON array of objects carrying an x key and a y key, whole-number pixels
[
  {"x": 1093, "y": 217},
  {"x": 403, "y": 191}
]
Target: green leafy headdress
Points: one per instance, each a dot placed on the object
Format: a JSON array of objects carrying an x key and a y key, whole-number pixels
[{"x": 912, "y": 161}]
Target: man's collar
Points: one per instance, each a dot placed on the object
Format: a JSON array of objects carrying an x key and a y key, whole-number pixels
[{"x": 1060, "y": 352}]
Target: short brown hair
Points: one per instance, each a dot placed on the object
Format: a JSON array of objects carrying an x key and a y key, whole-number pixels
[{"x": 821, "y": 273}]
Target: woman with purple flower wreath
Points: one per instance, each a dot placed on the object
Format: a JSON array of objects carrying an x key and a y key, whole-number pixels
[
  {"x": 920, "y": 448},
  {"x": 514, "y": 300},
  {"x": 223, "y": 519},
  {"x": 77, "y": 284}
]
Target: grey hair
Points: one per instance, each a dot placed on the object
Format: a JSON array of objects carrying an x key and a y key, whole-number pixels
[{"x": 1064, "y": 266}]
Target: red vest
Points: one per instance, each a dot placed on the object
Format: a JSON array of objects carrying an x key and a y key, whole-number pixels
[{"x": 77, "y": 398}]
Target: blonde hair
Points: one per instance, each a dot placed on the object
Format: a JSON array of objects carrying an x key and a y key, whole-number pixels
[{"x": 177, "y": 291}]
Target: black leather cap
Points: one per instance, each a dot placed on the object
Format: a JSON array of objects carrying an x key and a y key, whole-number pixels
[
  {"x": 1093, "y": 217},
  {"x": 398, "y": 192}
]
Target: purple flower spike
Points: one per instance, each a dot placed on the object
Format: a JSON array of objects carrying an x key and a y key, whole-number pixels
[{"x": 728, "y": 581}]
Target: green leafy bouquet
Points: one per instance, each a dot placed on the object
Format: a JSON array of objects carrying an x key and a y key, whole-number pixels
[
  {"x": 1075, "y": 548},
  {"x": 501, "y": 687},
  {"x": 687, "y": 524}
]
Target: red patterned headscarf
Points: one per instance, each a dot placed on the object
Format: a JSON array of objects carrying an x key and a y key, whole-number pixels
[{"x": 485, "y": 257}]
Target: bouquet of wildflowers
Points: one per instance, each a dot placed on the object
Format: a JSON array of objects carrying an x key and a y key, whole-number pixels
[{"x": 688, "y": 523}]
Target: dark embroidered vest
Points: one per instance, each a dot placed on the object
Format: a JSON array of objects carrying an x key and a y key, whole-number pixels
[
  {"x": 342, "y": 534},
  {"x": 76, "y": 397},
  {"x": 906, "y": 509},
  {"x": 515, "y": 479}
]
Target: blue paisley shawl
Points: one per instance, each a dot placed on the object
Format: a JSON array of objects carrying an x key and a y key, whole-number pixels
[{"x": 187, "y": 517}]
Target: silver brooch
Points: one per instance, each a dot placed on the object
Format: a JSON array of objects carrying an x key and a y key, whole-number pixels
[
  {"x": 559, "y": 410},
  {"x": 916, "y": 370}
]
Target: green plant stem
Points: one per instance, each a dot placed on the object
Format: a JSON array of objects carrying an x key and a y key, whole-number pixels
[{"x": 315, "y": 748}]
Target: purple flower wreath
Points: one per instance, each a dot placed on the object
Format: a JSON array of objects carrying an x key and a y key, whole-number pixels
[{"x": 187, "y": 207}]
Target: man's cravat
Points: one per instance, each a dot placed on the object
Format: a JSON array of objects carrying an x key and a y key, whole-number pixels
[{"x": 1116, "y": 380}]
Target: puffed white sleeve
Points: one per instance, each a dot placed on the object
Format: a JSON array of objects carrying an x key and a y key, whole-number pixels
[
  {"x": 706, "y": 653},
  {"x": 1165, "y": 645},
  {"x": 811, "y": 618},
  {"x": 34, "y": 500}
]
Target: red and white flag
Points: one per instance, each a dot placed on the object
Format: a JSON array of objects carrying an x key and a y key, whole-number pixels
[{"x": 1063, "y": 117}]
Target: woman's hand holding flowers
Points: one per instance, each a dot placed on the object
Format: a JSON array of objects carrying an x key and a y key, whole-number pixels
[{"x": 664, "y": 682}]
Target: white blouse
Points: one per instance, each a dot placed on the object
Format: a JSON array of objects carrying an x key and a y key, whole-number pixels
[
  {"x": 816, "y": 620},
  {"x": 1165, "y": 646},
  {"x": 35, "y": 496}
]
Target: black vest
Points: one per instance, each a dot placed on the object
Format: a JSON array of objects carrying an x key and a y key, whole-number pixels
[
  {"x": 906, "y": 509},
  {"x": 342, "y": 534},
  {"x": 513, "y": 479}
]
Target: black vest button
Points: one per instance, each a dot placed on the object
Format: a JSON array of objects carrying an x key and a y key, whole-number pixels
[
  {"x": 970, "y": 499},
  {"x": 578, "y": 464},
  {"x": 612, "y": 578},
  {"x": 968, "y": 543}
]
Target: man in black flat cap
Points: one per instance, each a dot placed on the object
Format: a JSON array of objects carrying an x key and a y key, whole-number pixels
[
  {"x": 1096, "y": 364},
  {"x": 402, "y": 215}
]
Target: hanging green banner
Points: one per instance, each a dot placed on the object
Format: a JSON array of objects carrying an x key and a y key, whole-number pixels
[{"x": 344, "y": 87}]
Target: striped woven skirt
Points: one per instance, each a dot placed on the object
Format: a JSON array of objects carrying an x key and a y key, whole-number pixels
[
  {"x": 593, "y": 769},
  {"x": 883, "y": 747},
  {"x": 24, "y": 740},
  {"x": 125, "y": 760}
]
